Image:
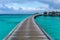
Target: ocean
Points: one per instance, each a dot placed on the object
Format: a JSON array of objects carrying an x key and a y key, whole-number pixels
[
  {"x": 8, "y": 22},
  {"x": 51, "y": 25}
]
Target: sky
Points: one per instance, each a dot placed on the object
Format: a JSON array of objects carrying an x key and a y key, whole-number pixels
[{"x": 28, "y": 6}]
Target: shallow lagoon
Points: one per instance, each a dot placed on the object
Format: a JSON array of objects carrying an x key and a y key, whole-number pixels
[
  {"x": 51, "y": 25},
  {"x": 9, "y": 21}
]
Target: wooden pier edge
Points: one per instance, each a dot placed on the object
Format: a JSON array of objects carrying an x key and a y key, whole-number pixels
[{"x": 48, "y": 36}]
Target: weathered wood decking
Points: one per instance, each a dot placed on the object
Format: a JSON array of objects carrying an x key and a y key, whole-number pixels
[{"x": 28, "y": 30}]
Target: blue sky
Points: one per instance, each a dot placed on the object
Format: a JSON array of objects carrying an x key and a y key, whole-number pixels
[{"x": 28, "y": 6}]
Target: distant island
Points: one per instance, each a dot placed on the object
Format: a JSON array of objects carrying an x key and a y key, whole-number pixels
[{"x": 53, "y": 13}]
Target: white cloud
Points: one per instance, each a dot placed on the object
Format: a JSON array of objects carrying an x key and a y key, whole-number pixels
[
  {"x": 57, "y": 1},
  {"x": 14, "y": 6},
  {"x": 31, "y": 6},
  {"x": 30, "y": 9},
  {"x": 53, "y": 1},
  {"x": 1, "y": 5},
  {"x": 0, "y": 11}
]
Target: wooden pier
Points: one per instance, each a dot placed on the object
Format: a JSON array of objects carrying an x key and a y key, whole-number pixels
[{"x": 27, "y": 30}]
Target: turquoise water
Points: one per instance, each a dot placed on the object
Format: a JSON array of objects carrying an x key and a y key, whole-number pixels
[
  {"x": 51, "y": 25},
  {"x": 8, "y": 22}
]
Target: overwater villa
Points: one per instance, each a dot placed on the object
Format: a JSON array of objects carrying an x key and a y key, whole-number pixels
[{"x": 53, "y": 13}]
